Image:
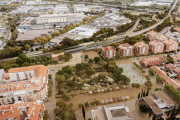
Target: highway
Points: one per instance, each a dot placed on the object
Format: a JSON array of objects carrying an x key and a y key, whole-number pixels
[{"x": 101, "y": 43}]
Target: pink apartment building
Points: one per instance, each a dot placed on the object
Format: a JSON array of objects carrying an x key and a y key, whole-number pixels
[
  {"x": 156, "y": 47},
  {"x": 125, "y": 50},
  {"x": 170, "y": 45},
  {"x": 151, "y": 35},
  {"x": 141, "y": 48},
  {"x": 108, "y": 52}
]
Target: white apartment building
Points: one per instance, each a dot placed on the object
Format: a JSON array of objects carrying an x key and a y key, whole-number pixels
[
  {"x": 60, "y": 18},
  {"x": 24, "y": 84}
]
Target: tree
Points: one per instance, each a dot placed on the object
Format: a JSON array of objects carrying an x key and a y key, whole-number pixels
[
  {"x": 148, "y": 84},
  {"x": 171, "y": 61},
  {"x": 60, "y": 78},
  {"x": 139, "y": 96},
  {"x": 79, "y": 66},
  {"x": 46, "y": 115},
  {"x": 80, "y": 105},
  {"x": 27, "y": 47},
  {"x": 90, "y": 72},
  {"x": 60, "y": 104},
  {"x": 159, "y": 79},
  {"x": 103, "y": 63},
  {"x": 90, "y": 60},
  {"x": 143, "y": 107},
  {"x": 96, "y": 102},
  {"x": 103, "y": 75},
  {"x": 56, "y": 111},
  {"x": 86, "y": 104},
  {"x": 16, "y": 48},
  {"x": 22, "y": 58},
  {"x": 147, "y": 92},
  {"x": 154, "y": 117},
  {"x": 48, "y": 37},
  {"x": 150, "y": 113},
  {"x": 117, "y": 56},
  {"x": 66, "y": 96},
  {"x": 86, "y": 57},
  {"x": 142, "y": 65},
  {"x": 91, "y": 103},
  {"x": 152, "y": 71},
  {"x": 83, "y": 111},
  {"x": 32, "y": 49},
  {"x": 96, "y": 59}
]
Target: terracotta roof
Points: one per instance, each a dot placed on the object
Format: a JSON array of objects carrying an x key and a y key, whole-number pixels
[
  {"x": 175, "y": 57},
  {"x": 15, "y": 112},
  {"x": 170, "y": 41},
  {"x": 108, "y": 48},
  {"x": 166, "y": 78},
  {"x": 156, "y": 42},
  {"x": 171, "y": 66},
  {"x": 176, "y": 28},
  {"x": 125, "y": 45},
  {"x": 154, "y": 60}
]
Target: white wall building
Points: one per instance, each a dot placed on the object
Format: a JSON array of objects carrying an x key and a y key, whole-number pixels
[
  {"x": 24, "y": 84},
  {"x": 61, "y": 9},
  {"x": 83, "y": 8},
  {"x": 60, "y": 18}
]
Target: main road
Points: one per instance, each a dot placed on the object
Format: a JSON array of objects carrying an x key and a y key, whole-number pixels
[{"x": 101, "y": 43}]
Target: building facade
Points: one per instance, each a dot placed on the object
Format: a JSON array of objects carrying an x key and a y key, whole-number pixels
[
  {"x": 108, "y": 52},
  {"x": 24, "y": 84},
  {"x": 156, "y": 47},
  {"x": 125, "y": 50},
  {"x": 141, "y": 48},
  {"x": 170, "y": 45},
  {"x": 154, "y": 61}
]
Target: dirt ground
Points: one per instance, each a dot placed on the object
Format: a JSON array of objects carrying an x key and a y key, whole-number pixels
[
  {"x": 131, "y": 92},
  {"x": 90, "y": 53}
]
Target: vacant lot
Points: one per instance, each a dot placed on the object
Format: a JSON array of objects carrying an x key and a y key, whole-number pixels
[
  {"x": 90, "y": 53},
  {"x": 131, "y": 92}
]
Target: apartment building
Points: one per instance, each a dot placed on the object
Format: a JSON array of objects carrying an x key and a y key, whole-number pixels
[
  {"x": 22, "y": 111},
  {"x": 24, "y": 84},
  {"x": 55, "y": 56},
  {"x": 108, "y": 52},
  {"x": 170, "y": 45},
  {"x": 151, "y": 35},
  {"x": 125, "y": 50},
  {"x": 141, "y": 48},
  {"x": 154, "y": 61},
  {"x": 173, "y": 69},
  {"x": 60, "y": 18},
  {"x": 156, "y": 47},
  {"x": 175, "y": 57},
  {"x": 154, "y": 36}
]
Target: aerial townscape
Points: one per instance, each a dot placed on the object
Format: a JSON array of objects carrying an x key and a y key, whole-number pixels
[{"x": 90, "y": 60}]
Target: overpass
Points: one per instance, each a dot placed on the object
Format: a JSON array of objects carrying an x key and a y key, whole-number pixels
[{"x": 101, "y": 43}]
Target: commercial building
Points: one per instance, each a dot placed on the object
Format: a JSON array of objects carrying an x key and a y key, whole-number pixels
[
  {"x": 167, "y": 79},
  {"x": 125, "y": 50},
  {"x": 24, "y": 84},
  {"x": 78, "y": 33},
  {"x": 156, "y": 47},
  {"x": 43, "y": 7},
  {"x": 109, "y": 20},
  {"x": 82, "y": 8},
  {"x": 118, "y": 112},
  {"x": 159, "y": 103},
  {"x": 154, "y": 61},
  {"x": 33, "y": 33},
  {"x": 5, "y": 2},
  {"x": 108, "y": 52},
  {"x": 61, "y": 9},
  {"x": 21, "y": 10},
  {"x": 22, "y": 111},
  {"x": 175, "y": 57},
  {"x": 170, "y": 45},
  {"x": 26, "y": 23},
  {"x": 55, "y": 56},
  {"x": 30, "y": 2},
  {"x": 60, "y": 18},
  {"x": 141, "y": 48}
]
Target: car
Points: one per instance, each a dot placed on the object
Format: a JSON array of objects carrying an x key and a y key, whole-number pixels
[{"x": 52, "y": 69}]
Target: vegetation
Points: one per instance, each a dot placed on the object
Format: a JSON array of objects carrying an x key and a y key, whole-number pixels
[
  {"x": 64, "y": 111},
  {"x": 152, "y": 71},
  {"x": 160, "y": 27},
  {"x": 133, "y": 40},
  {"x": 46, "y": 115},
  {"x": 159, "y": 78},
  {"x": 143, "y": 107},
  {"x": 175, "y": 93},
  {"x": 50, "y": 85}
]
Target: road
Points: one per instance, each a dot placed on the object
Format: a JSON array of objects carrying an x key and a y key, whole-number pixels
[{"x": 101, "y": 43}]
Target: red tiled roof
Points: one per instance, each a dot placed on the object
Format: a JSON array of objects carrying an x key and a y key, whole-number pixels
[
  {"x": 108, "y": 48},
  {"x": 166, "y": 78}
]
